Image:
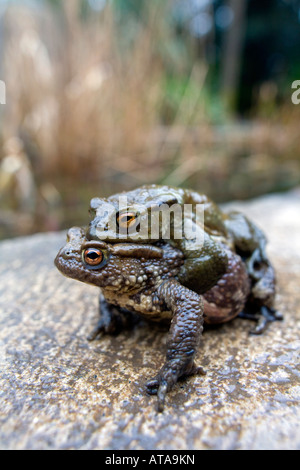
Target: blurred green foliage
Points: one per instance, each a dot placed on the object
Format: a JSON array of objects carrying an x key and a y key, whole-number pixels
[
  {"x": 270, "y": 45},
  {"x": 106, "y": 95},
  {"x": 271, "y": 49}
]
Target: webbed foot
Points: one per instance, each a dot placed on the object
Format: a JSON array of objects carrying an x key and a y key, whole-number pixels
[
  {"x": 263, "y": 317},
  {"x": 167, "y": 377},
  {"x": 113, "y": 319},
  {"x": 97, "y": 332},
  {"x": 103, "y": 327}
]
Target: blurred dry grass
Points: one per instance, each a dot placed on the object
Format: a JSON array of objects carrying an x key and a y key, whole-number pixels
[{"x": 83, "y": 118}]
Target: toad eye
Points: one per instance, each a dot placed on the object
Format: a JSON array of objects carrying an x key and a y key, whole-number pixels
[
  {"x": 93, "y": 256},
  {"x": 126, "y": 219}
]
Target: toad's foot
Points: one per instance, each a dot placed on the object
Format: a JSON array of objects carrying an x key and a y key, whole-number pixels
[
  {"x": 113, "y": 319},
  {"x": 263, "y": 317},
  {"x": 167, "y": 377}
]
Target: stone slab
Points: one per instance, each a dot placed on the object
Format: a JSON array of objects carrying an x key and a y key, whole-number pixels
[{"x": 57, "y": 391}]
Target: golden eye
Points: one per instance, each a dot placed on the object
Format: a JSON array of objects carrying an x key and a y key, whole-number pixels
[
  {"x": 127, "y": 219},
  {"x": 93, "y": 256}
]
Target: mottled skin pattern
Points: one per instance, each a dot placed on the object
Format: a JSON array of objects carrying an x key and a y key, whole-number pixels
[
  {"x": 202, "y": 268},
  {"x": 145, "y": 280},
  {"x": 206, "y": 264}
]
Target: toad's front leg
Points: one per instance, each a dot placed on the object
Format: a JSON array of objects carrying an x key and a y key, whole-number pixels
[
  {"x": 183, "y": 340},
  {"x": 113, "y": 319}
]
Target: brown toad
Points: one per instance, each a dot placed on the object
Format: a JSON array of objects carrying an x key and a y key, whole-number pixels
[{"x": 147, "y": 280}]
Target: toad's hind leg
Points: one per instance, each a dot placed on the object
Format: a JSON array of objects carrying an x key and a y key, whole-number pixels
[
  {"x": 113, "y": 319},
  {"x": 260, "y": 306},
  {"x": 263, "y": 317}
]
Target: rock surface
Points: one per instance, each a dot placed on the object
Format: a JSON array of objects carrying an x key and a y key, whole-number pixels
[{"x": 57, "y": 391}]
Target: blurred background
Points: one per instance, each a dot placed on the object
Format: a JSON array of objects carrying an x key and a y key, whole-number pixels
[{"x": 107, "y": 95}]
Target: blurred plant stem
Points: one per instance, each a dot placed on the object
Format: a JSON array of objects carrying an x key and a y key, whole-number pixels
[
  {"x": 101, "y": 101},
  {"x": 233, "y": 50}
]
